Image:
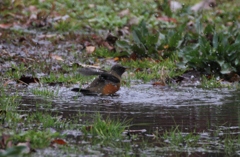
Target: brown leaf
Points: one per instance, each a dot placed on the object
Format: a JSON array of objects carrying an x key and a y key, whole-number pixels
[
  {"x": 108, "y": 46},
  {"x": 27, "y": 150},
  {"x": 91, "y": 5},
  {"x": 158, "y": 84},
  {"x": 124, "y": 13},
  {"x": 6, "y": 25},
  {"x": 116, "y": 59},
  {"x": 58, "y": 141},
  {"x": 5, "y": 143},
  {"x": 167, "y": 19},
  {"x": 32, "y": 9},
  {"x": 56, "y": 57},
  {"x": 44, "y": 36},
  {"x": 6, "y": 83},
  {"x": 138, "y": 70},
  {"x": 90, "y": 49}
]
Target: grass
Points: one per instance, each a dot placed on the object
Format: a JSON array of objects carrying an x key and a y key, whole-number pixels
[
  {"x": 50, "y": 93},
  {"x": 106, "y": 128},
  {"x": 175, "y": 137},
  {"x": 38, "y": 139},
  {"x": 213, "y": 83},
  {"x": 43, "y": 120},
  {"x": 65, "y": 78},
  {"x": 148, "y": 69}
]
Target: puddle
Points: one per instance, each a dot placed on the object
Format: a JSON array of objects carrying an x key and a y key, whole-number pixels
[{"x": 154, "y": 109}]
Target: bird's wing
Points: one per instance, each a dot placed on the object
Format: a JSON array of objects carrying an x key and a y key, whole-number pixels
[
  {"x": 90, "y": 71},
  {"x": 109, "y": 77}
]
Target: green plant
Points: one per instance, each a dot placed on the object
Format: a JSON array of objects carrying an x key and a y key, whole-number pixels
[
  {"x": 144, "y": 43},
  {"x": 211, "y": 83},
  {"x": 38, "y": 139},
  {"x": 147, "y": 44},
  {"x": 176, "y": 138},
  {"x": 214, "y": 53},
  {"x": 8, "y": 107},
  {"x": 148, "y": 70},
  {"x": 13, "y": 151},
  {"x": 106, "y": 129},
  {"x": 45, "y": 92},
  {"x": 43, "y": 119},
  {"x": 103, "y": 52}
]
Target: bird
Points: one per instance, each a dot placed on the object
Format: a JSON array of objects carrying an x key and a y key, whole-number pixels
[{"x": 107, "y": 83}]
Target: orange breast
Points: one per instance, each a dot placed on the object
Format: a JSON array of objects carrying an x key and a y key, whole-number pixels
[{"x": 110, "y": 89}]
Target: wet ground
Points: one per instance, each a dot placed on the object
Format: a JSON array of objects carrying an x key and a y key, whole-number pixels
[{"x": 192, "y": 109}]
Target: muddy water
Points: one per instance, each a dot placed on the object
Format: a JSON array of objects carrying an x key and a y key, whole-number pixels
[{"x": 156, "y": 108}]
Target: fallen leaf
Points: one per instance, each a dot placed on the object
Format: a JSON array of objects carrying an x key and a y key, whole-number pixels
[
  {"x": 90, "y": 49},
  {"x": 158, "y": 84},
  {"x": 58, "y": 141},
  {"x": 167, "y": 19},
  {"x": 32, "y": 8},
  {"x": 124, "y": 13},
  {"x": 108, "y": 46},
  {"x": 116, "y": 59},
  {"x": 27, "y": 149},
  {"x": 43, "y": 36},
  {"x": 5, "y": 143},
  {"x": 56, "y": 57},
  {"x": 6, "y": 25},
  {"x": 6, "y": 83},
  {"x": 91, "y": 5}
]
